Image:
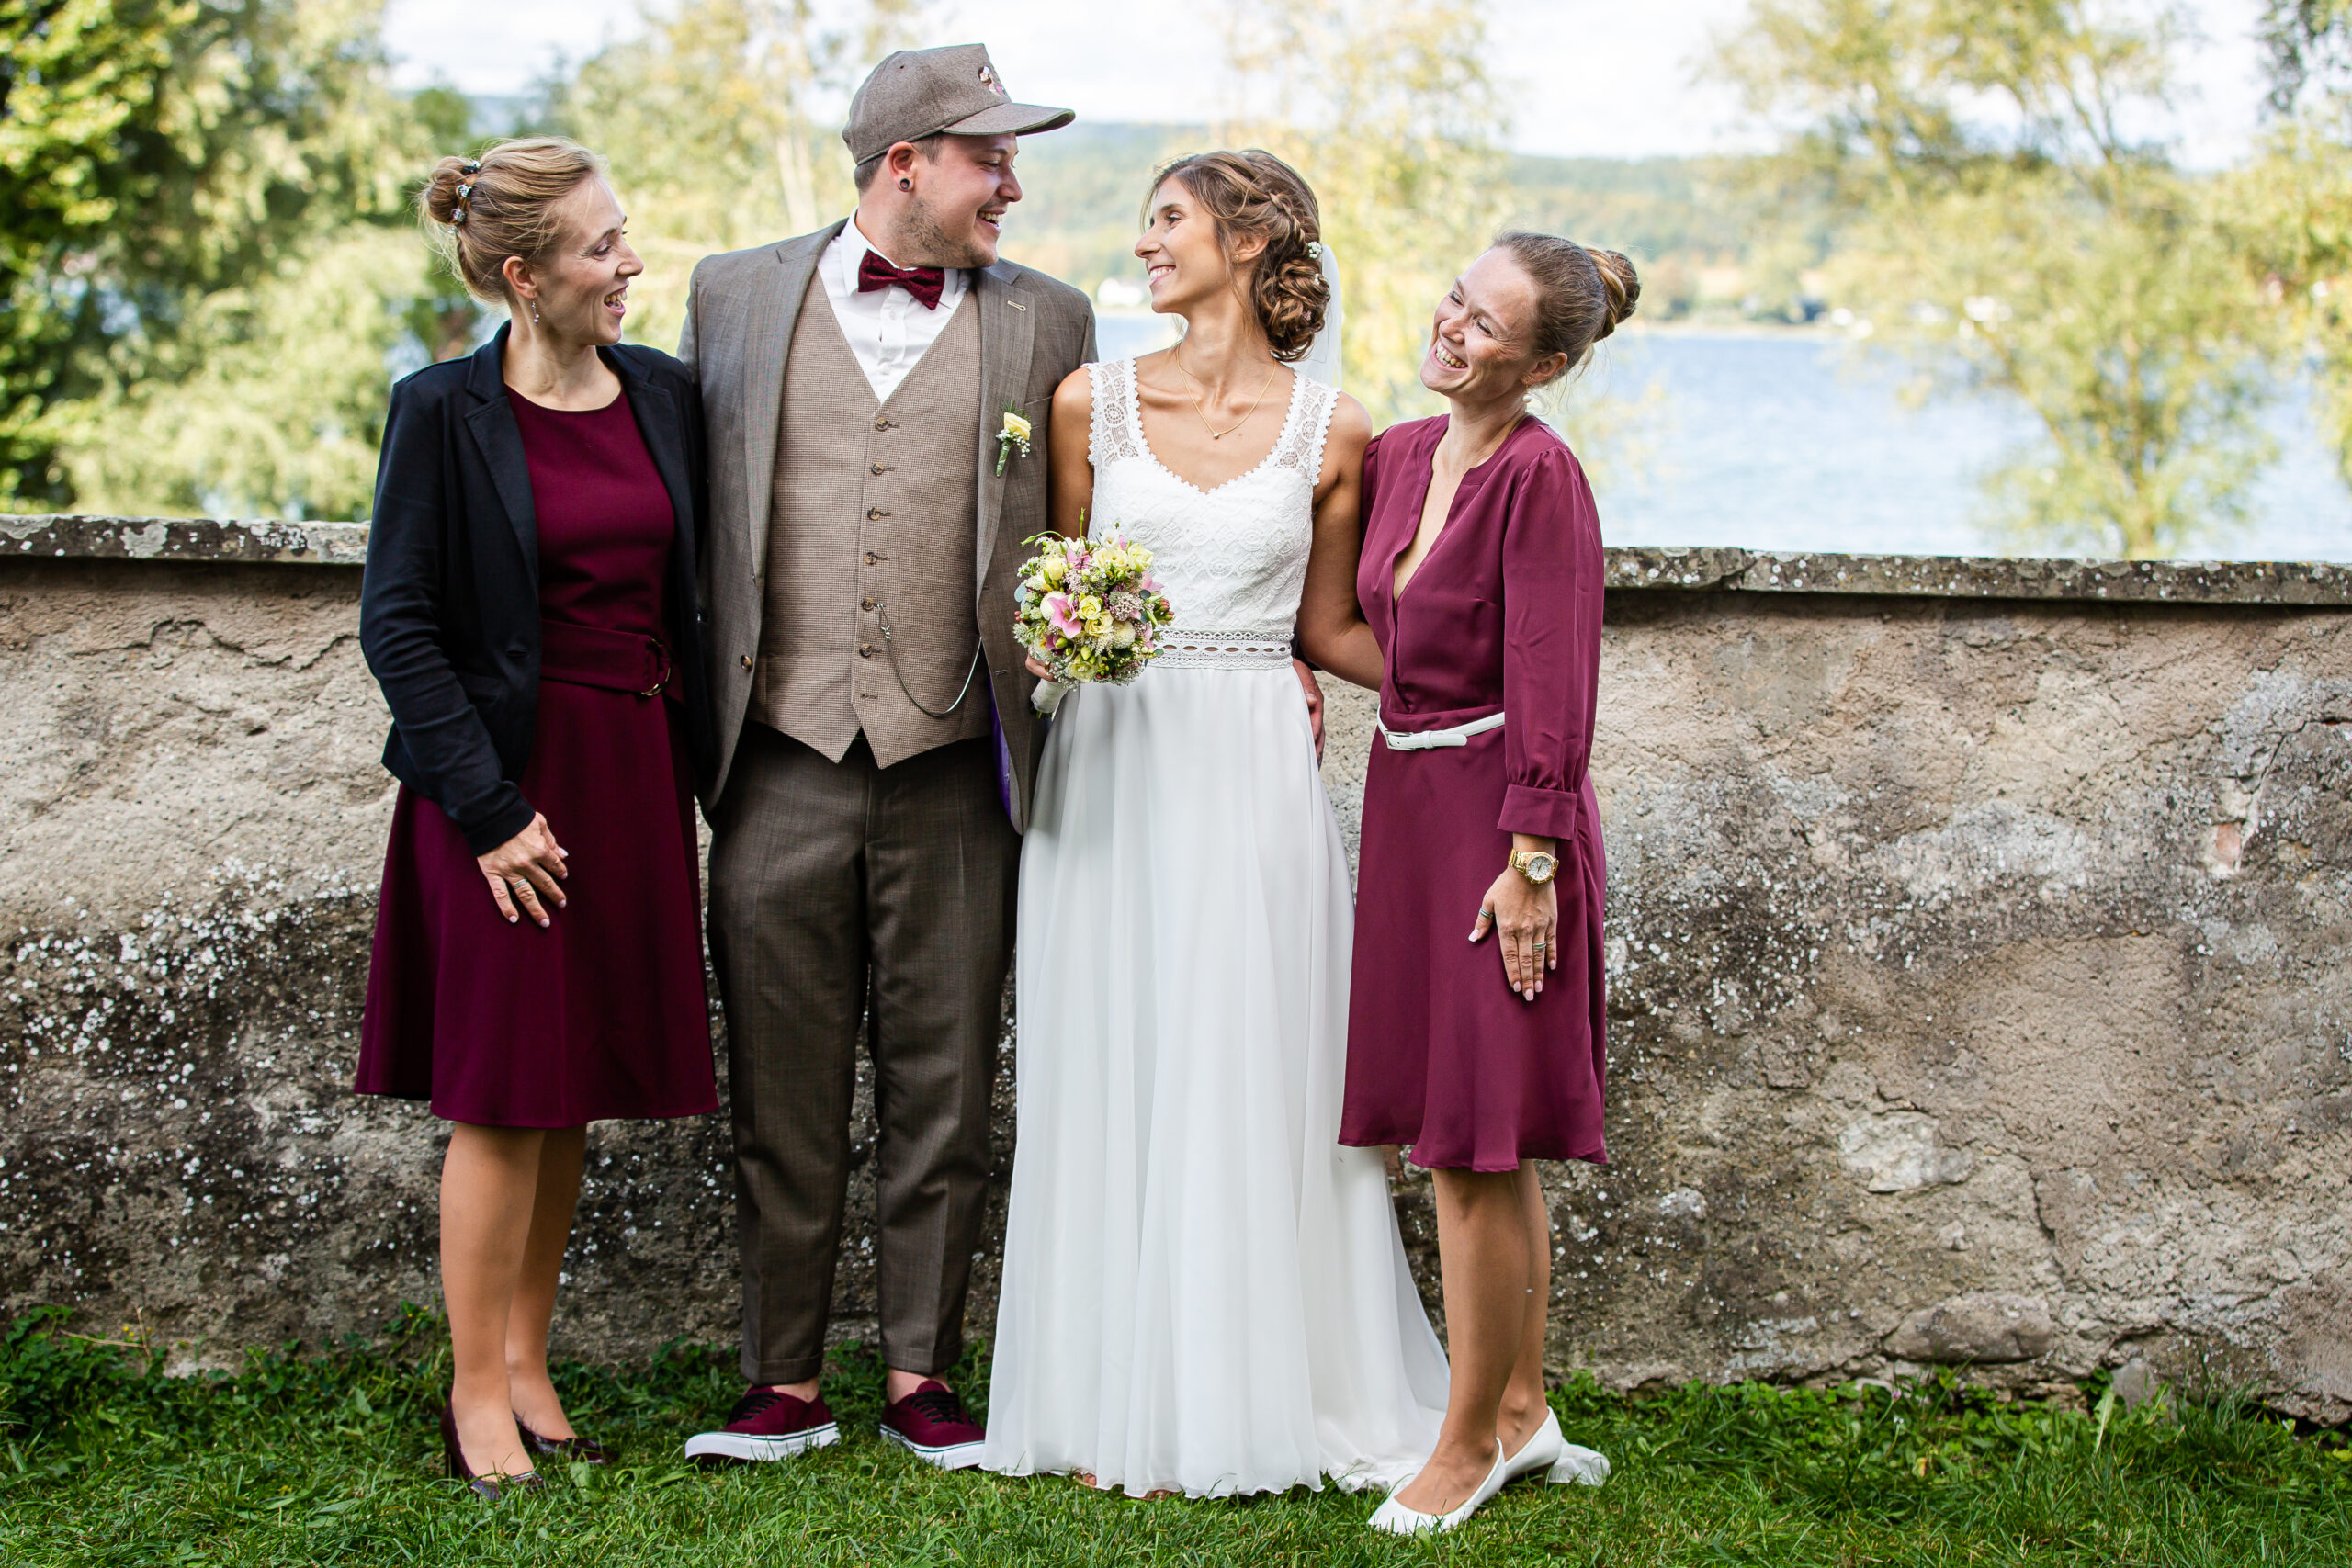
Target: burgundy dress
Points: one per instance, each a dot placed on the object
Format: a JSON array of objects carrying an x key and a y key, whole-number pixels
[
  {"x": 1502, "y": 616},
  {"x": 603, "y": 1014}
]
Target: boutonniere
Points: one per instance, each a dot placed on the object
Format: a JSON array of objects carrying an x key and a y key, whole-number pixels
[{"x": 1014, "y": 432}]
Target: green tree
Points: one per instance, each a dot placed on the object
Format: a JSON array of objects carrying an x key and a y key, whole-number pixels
[
  {"x": 2002, "y": 216},
  {"x": 1391, "y": 110},
  {"x": 176, "y": 174},
  {"x": 2309, "y": 43},
  {"x": 2293, "y": 203},
  {"x": 711, "y": 122}
]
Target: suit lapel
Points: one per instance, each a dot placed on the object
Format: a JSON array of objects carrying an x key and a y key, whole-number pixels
[
  {"x": 1008, "y": 333},
  {"x": 775, "y": 312},
  {"x": 501, "y": 442}
]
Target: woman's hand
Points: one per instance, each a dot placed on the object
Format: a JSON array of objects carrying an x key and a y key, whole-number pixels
[
  {"x": 1037, "y": 668},
  {"x": 1529, "y": 918},
  {"x": 1313, "y": 690},
  {"x": 525, "y": 870}
]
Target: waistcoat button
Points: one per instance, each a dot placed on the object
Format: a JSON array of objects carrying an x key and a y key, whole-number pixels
[
  {"x": 874, "y": 514},
  {"x": 866, "y": 651},
  {"x": 881, "y": 424},
  {"x": 747, "y": 661},
  {"x": 880, "y": 470},
  {"x": 866, "y": 604}
]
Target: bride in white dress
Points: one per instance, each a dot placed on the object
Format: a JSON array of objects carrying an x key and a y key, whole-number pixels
[{"x": 1203, "y": 1292}]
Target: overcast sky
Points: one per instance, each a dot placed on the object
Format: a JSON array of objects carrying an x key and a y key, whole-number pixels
[{"x": 1595, "y": 77}]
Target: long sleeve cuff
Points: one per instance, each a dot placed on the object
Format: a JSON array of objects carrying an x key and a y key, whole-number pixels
[
  {"x": 501, "y": 825},
  {"x": 1544, "y": 813}
]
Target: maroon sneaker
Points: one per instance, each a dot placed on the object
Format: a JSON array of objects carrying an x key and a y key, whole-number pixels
[
  {"x": 933, "y": 1425},
  {"x": 765, "y": 1423}
]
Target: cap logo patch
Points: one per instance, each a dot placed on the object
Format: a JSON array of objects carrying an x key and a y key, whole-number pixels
[{"x": 988, "y": 80}]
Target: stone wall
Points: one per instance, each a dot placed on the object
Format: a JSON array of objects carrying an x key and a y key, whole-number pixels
[{"x": 1978, "y": 932}]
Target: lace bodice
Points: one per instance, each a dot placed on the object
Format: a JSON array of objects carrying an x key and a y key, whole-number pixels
[{"x": 1232, "y": 560}]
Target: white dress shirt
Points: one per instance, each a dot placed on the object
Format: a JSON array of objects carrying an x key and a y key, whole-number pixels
[{"x": 889, "y": 329}]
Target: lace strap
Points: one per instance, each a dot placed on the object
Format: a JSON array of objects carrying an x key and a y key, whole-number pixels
[
  {"x": 1302, "y": 443},
  {"x": 1110, "y": 435}
]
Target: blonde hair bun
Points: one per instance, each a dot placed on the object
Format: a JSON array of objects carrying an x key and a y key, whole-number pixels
[{"x": 501, "y": 204}]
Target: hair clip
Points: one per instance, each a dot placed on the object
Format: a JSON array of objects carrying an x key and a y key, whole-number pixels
[
  {"x": 1315, "y": 249},
  {"x": 465, "y": 193},
  {"x": 457, "y": 217},
  {"x": 473, "y": 165}
]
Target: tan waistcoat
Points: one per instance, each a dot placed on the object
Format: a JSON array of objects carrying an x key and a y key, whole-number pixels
[{"x": 873, "y": 524}]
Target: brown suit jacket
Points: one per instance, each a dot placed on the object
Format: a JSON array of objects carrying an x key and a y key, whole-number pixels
[{"x": 741, "y": 311}]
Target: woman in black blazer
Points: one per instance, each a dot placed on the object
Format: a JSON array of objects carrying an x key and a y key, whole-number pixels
[{"x": 530, "y": 612}]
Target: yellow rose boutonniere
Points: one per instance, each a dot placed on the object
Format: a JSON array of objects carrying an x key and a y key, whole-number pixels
[{"x": 1014, "y": 432}]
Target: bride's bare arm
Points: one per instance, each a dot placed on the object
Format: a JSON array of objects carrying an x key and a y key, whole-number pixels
[
  {"x": 1070, "y": 474},
  {"x": 1330, "y": 623},
  {"x": 1071, "y": 483}
]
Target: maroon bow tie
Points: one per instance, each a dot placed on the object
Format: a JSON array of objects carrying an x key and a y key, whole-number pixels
[{"x": 926, "y": 283}]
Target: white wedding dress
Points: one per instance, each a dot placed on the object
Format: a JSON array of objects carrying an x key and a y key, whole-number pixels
[{"x": 1203, "y": 1292}]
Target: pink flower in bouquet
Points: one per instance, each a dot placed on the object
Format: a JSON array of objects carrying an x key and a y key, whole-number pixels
[{"x": 1061, "y": 614}]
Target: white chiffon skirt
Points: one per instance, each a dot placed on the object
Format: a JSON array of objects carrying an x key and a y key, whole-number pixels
[{"x": 1203, "y": 1292}]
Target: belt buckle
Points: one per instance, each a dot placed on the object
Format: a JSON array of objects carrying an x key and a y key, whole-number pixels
[{"x": 661, "y": 660}]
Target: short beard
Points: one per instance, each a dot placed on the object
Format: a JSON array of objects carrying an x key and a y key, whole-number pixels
[{"x": 926, "y": 241}]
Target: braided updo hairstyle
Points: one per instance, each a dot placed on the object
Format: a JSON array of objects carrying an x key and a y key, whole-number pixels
[
  {"x": 1582, "y": 295},
  {"x": 502, "y": 204},
  {"x": 1256, "y": 194}
]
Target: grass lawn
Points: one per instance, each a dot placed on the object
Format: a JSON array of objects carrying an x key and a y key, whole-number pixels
[{"x": 334, "y": 1459}]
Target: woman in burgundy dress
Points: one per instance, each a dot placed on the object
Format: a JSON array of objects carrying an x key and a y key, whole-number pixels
[
  {"x": 530, "y": 611},
  {"x": 1476, "y": 1033}
]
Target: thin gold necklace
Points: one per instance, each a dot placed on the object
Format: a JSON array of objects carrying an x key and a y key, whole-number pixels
[{"x": 1191, "y": 391}]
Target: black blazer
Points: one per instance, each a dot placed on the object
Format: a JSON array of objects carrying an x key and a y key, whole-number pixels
[{"x": 449, "y": 607}]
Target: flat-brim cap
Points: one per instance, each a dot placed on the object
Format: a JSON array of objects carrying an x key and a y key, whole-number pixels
[{"x": 924, "y": 91}]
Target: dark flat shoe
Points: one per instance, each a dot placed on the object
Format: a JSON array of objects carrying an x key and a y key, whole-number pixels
[
  {"x": 577, "y": 1448},
  {"x": 489, "y": 1488}
]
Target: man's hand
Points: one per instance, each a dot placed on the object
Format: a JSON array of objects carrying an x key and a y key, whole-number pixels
[{"x": 1314, "y": 701}]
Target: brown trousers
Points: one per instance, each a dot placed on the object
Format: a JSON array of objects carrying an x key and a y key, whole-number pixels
[{"x": 842, "y": 890}]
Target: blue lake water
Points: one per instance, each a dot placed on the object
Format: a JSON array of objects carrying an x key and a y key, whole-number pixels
[{"x": 1794, "y": 441}]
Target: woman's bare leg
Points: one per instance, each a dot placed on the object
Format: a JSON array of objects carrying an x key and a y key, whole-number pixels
[
  {"x": 534, "y": 1397},
  {"x": 1523, "y": 1403},
  {"x": 489, "y": 1180},
  {"x": 1482, "y": 1253}
]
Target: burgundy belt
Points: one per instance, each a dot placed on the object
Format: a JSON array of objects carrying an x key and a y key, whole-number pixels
[{"x": 616, "y": 661}]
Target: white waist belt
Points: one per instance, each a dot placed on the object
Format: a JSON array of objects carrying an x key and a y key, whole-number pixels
[{"x": 1431, "y": 739}]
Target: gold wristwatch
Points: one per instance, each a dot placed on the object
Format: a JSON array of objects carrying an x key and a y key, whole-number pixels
[{"x": 1535, "y": 865}]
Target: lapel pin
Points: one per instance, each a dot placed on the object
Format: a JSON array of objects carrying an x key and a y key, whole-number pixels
[{"x": 1016, "y": 304}]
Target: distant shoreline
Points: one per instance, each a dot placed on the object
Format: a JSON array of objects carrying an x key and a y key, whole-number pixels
[{"x": 1820, "y": 329}]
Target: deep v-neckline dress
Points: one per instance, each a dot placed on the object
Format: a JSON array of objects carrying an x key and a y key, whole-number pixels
[{"x": 1502, "y": 614}]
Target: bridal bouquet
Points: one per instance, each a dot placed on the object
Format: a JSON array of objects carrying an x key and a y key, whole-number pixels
[{"x": 1090, "y": 610}]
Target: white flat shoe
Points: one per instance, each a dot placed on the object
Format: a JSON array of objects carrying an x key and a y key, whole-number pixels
[
  {"x": 1395, "y": 1519},
  {"x": 1539, "y": 1452},
  {"x": 1548, "y": 1449},
  {"x": 1578, "y": 1467}
]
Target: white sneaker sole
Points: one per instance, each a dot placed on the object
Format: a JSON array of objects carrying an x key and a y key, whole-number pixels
[
  {"x": 952, "y": 1456},
  {"x": 748, "y": 1449}
]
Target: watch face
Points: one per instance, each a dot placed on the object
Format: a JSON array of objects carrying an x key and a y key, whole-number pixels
[{"x": 1541, "y": 866}]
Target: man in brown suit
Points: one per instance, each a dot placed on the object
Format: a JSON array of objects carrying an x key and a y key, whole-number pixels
[{"x": 876, "y": 742}]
